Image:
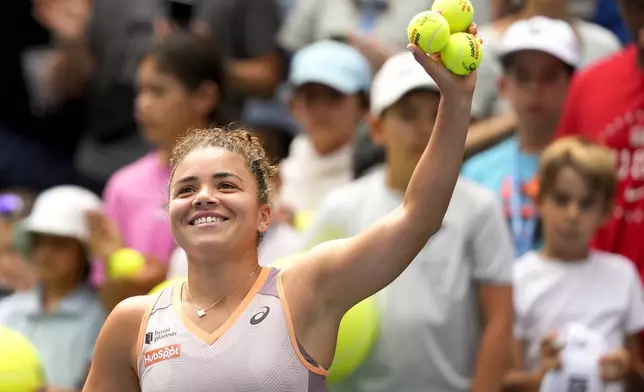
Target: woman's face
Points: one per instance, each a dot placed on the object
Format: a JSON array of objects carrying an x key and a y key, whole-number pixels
[
  {"x": 165, "y": 108},
  {"x": 214, "y": 203}
]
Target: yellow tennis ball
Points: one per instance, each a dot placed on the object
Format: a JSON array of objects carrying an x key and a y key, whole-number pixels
[
  {"x": 463, "y": 53},
  {"x": 125, "y": 263},
  {"x": 459, "y": 13},
  {"x": 20, "y": 365},
  {"x": 429, "y": 31},
  {"x": 166, "y": 284},
  {"x": 359, "y": 330},
  {"x": 302, "y": 220}
]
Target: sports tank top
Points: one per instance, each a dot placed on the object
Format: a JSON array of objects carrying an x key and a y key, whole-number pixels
[{"x": 255, "y": 350}]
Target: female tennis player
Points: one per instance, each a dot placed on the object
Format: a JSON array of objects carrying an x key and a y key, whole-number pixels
[{"x": 235, "y": 326}]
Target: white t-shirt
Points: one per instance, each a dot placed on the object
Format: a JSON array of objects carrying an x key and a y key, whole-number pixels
[
  {"x": 603, "y": 293},
  {"x": 430, "y": 326},
  {"x": 307, "y": 176}
]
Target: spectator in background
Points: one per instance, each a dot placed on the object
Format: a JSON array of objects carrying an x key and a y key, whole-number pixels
[
  {"x": 494, "y": 113},
  {"x": 330, "y": 83},
  {"x": 567, "y": 283},
  {"x": 607, "y": 15},
  {"x": 15, "y": 273},
  {"x": 181, "y": 83},
  {"x": 62, "y": 315},
  {"x": 38, "y": 131},
  {"x": 445, "y": 320},
  {"x": 606, "y": 104},
  {"x": 245, "y": 31},
  {"x": 377, "y": 28},
  {"x": 539, "y": 56},
  {"x": 584, "y": 9},
  {"x": 272, "y": 122},
  {"x": 102, "y": 42}
]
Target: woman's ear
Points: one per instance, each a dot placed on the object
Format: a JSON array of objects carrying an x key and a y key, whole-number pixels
[{"x": 263, "y": 218}]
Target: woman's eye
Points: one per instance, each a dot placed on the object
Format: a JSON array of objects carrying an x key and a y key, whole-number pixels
[
  {"x": 226, "y": 185},
  {"x": 184, "y": 190}
]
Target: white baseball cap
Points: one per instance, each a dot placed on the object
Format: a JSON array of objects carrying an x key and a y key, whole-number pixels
[
  {"x": 553, "y": 36},
  {"x": 398, "y": 76}
]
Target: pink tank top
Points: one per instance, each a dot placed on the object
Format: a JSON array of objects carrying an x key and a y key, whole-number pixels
[{"x": 254, "y": 350}]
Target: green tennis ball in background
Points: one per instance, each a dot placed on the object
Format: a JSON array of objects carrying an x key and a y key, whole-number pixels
[
  {"x": 459, "y": 13},
  {"x": 463, "y": 54},
  {"x": 429, "y": 31}
]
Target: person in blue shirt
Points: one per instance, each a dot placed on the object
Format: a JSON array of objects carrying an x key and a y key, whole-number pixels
[{"x": 539, "y": 56}]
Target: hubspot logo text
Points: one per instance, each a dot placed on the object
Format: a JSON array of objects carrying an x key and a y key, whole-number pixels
[{"x": 162, "y": 354}]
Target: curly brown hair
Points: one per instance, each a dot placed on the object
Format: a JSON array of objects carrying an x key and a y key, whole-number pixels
[{"x": 236, "y": 140}]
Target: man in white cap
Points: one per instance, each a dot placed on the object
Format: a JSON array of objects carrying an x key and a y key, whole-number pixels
[{"x": 446, "y": 322}]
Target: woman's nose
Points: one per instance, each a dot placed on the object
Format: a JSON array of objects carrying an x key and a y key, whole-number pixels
[{"x": 204, "y": 197}]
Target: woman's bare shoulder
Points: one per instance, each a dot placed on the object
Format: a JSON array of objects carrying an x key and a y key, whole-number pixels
[{"x": 123, "y": 325}]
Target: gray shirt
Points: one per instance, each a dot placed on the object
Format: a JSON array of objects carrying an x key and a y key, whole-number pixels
[{"x": 430, "y": 321}]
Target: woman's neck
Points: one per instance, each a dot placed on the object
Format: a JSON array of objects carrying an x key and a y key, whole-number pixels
[{"x": 228, "y": 280}]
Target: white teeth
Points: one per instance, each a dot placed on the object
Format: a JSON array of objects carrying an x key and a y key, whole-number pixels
[{"x": 207, "y": 219}]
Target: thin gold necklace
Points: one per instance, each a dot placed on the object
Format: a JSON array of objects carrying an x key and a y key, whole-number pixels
[{"x": 202, "y": 312}]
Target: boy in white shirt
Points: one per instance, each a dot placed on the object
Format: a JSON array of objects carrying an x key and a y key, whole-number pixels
[
  {"x": 567, "y": 286},
  {"x": 445, "y": 323}
]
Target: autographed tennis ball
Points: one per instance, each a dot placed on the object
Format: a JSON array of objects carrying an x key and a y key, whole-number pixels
[
  {"x": 429, "y": 31},
  {"x": 125, "y": 263},
  {"x": 463, "y": 54},
  {"x": 459, "y": 13}
]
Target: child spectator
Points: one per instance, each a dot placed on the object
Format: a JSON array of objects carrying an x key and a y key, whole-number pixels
[
  {"x": 567, "y": 283},
  {"x": 539, "y": 57},
  {"x": 331, "y": 82},
  {"x": 606, "y": 104},
  {"x": 181, "y": 83},
  {"x": 446, "y": 318},
  {"x": 62, "y": 315}
]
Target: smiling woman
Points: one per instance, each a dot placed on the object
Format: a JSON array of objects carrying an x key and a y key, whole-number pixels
[{"x": 230, "y": 327}]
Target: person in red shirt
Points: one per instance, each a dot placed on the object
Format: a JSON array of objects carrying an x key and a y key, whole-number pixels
[{"x": 606, "y": 104}]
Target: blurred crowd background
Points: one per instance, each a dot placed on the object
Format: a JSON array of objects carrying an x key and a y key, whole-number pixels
[{"x": 94, "y": 93}]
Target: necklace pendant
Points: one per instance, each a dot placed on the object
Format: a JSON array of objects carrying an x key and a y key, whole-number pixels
[{"x": 201, "y": 313}]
